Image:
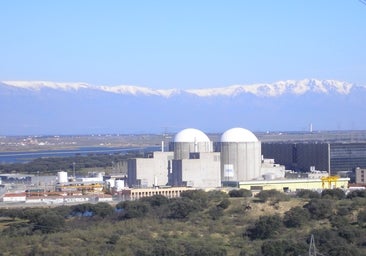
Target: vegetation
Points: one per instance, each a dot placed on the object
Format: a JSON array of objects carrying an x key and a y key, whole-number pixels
[
  {"x": 198, "y": 223},
  {"x": 49, "y": 165}
]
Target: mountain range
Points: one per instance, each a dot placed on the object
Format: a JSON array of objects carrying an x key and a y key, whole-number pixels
[{"x": 44, "y": 107}]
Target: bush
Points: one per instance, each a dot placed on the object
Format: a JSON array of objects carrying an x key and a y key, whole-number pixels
[
  {"x": 265, "y": 227},
  {"x": 282, "y": 248},
  {"x": 224, "y": 204},
  {"x": 199, "y": 196},
  {"x": 356, "y": 193},
  {"x": 180, "y": 208},
  {"x": 333, "y": 194},
  {"x": 215, "y": 212},
  {"x": 156, "y": 200},
  {"x": 216, "y": 195},
  {"x": 49, "y": 222},
  {"x": 320, "y": 208},
  {"x": 326, "y": 239},
  {"x": 240, "y": 193},
  {"x": 296, "y": 217},
  {"x": 361, "y": 218},
  {"x": 132, "y": 209},
  {"x": 305, "y": 193},
  {"x": 273, "y": 194}
]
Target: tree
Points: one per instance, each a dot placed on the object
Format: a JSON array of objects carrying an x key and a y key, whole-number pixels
[
  {"x": 102, "y": 209},
  {"x": 333, "y": 194},
  {"x": 133, "y": 209},
  {"x": 180, "y": 208},
  {"x": 49, "y": 222},
  {"x": 273, "y": 194},
  {"x": 320, "y": 208},
  {"x": 156, "y": 200},
  {"x": 282, "y": 248},
  {"x": 199, "y": 196},
  {"x": 361, "y": 218},
  {"x": 240, "y": 193},
  {"x": 296, "y": 217},
  {"x": 306, "y": 193},
  {"x": 265, "y": 227},
  {"x": 356, "y": 193}
]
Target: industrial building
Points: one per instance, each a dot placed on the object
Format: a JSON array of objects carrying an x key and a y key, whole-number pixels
[
  {"x": 193, "y": 162},
  {"x": 292, "y": 185},
  {"x": 240, "y": 155},
  {"x": 324, "y": 156}
]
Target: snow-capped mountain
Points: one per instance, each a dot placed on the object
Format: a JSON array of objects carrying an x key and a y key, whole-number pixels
[
  {"x": 38, "y": 107},
  {"x": 263, "y": 89}
]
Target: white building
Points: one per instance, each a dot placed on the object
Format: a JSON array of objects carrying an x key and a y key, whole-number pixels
[
  {"x": 149, "y": 172},
  {"x": 240, "y": 155}
]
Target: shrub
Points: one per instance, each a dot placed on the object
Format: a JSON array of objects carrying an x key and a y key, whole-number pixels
[
  {"x": 273, "y": 194},
  {"x": 356, "y": 193},
  {"x": 282, "y": 248},
  {"x": 180, "y": 208},
  {"x": 296, "y": 217},
  {"x": 199, "y": 196},
  {"x": 265, "y": 227},
  {"x": 305, "y": 193},
  {"x": 361, "y": 218},
  {"x": 49, "y": 222},
  {"x": 156, "y": 200},
  {"x": 240, "y": 193},
  {"x": 215, "y": 212},
  {"x": 216, "y": 195},
  {"x": 224, "y": 204},
  {"x": 133, "y": 209},
  {"x": 320, "y": 208},
  {"x": 333, "y": 193}
]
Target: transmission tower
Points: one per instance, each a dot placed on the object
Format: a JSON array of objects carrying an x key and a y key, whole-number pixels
[{"x": 312, "y": 248}]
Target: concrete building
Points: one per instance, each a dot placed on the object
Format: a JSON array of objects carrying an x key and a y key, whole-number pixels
[
  {"x": 329, "y": 157},
  {"x": 195, "y": 164},
  {"x": 190, "y": 141},
  {"x": 360, "y": 175},
  {"x": 149, "y": 172},
  {"x": 292, "y": 185},
  {"x": 202, "y": 170},
  {"x": 240, "y": 155}
]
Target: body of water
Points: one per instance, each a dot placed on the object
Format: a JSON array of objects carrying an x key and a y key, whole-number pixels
[{"x": 23, "y": 157}]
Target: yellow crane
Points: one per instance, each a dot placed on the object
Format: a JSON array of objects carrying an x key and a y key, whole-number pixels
[{"x": 330, "y": 179}]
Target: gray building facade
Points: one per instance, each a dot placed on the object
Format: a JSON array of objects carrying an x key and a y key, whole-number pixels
[{"x": 330, "y": 157}]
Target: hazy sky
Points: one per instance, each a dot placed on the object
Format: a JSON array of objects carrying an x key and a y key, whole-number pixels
[{"x": 182, "y": 44}]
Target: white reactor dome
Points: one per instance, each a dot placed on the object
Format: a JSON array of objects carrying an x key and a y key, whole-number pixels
[
  {"x": 191, "y": 135},
  {"x": 238, "y": 135}
]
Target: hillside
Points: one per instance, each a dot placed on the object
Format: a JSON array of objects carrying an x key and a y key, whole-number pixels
[{"x": 198, "y": 223}]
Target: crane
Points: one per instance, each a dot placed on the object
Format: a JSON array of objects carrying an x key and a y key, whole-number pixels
[{"x": 329, "y": 180}]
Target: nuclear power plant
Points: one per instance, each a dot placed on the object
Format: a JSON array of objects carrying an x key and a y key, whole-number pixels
[{"x": 192, "y": 161}]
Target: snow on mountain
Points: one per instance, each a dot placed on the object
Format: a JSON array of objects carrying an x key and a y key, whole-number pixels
[
  {"x": 78, "y": 108},
  {"x": 279, "y": 88},
  {"x": 38, "y": 85}
]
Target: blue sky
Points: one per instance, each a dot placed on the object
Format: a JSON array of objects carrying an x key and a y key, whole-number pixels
[{"x": 182, "y": 44}]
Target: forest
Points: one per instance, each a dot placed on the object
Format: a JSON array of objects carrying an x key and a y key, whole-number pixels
[{"x": 197, "y": 223}]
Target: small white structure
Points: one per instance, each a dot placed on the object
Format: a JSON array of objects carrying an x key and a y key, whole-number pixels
[
  {"x": 14, "y": 197},
  {"x": 62, "y": 177},
  {"x": 119, "y": 185}
]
